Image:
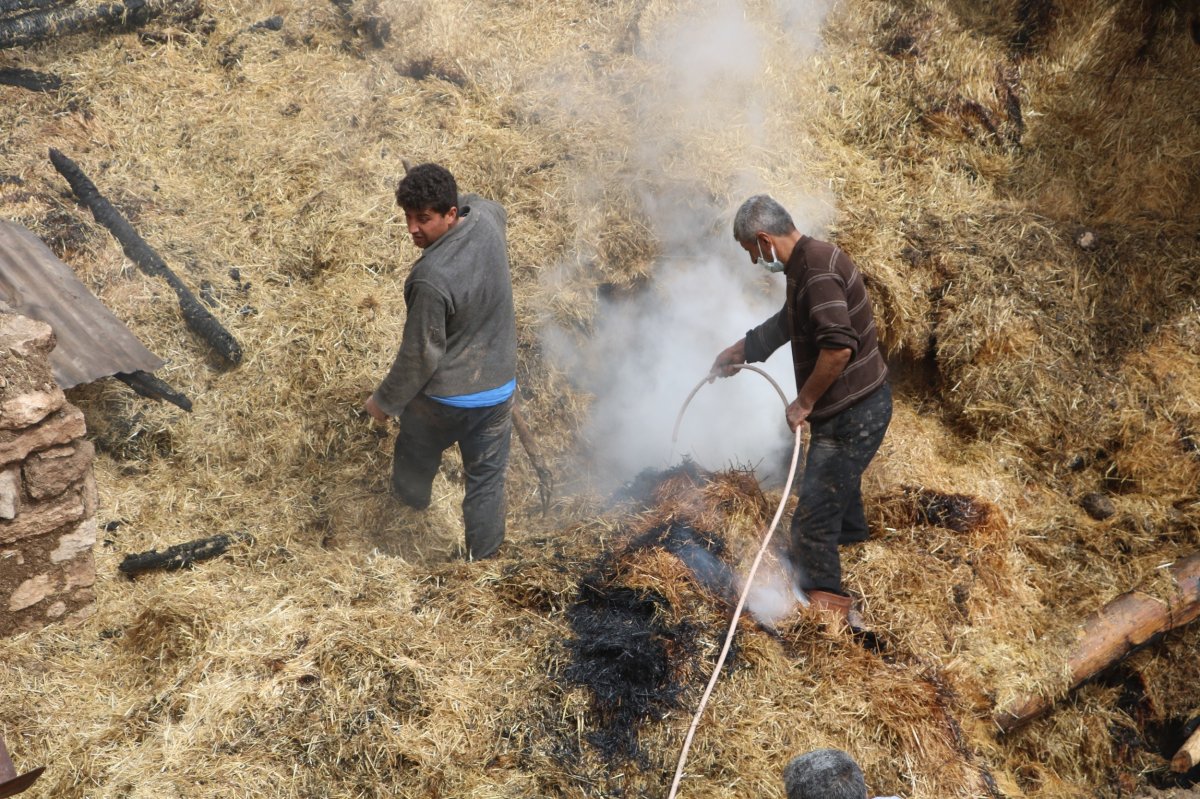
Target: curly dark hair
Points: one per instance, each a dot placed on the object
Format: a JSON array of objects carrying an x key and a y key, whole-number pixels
[{"x": 427, "y": 186}]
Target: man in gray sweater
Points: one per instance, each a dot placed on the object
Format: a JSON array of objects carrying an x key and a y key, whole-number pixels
[{"x": 453, "y": 380}]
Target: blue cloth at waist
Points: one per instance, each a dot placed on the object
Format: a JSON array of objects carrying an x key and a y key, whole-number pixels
[{"x": 480, "y": 399}]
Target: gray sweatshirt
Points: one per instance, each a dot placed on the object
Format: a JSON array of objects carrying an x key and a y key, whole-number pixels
[{"x": 460, "y": 336}]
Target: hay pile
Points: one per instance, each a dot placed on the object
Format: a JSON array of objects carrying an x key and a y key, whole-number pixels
[{"x": 971, "y": 151}]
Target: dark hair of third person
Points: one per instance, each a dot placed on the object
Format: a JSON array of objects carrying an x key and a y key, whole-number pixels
[{"x": 428, "y": 186}]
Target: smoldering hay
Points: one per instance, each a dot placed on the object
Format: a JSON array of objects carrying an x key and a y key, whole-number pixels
[
  {"x": 648, "y": 343},
  {"x": 645, "y": 354}
]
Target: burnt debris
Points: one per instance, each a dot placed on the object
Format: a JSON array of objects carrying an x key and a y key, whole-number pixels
[
  {"x": 181, "y": 556},
  {"x": 626, "y": 649},
  {"x": 641, "y": 489},
  {"x": 958, "y": 512}
]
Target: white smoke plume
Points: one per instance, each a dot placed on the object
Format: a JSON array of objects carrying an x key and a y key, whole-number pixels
[{"x": 713, "y": 81}]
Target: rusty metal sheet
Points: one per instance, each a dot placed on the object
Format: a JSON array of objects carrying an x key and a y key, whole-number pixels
[
  {"x": 92, "y": 342},
  {"x": 10, "y": 783}
]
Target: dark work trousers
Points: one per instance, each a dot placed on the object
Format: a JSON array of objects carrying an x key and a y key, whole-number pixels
[
  {"x": 483, "y": 435},
  {"x": 830, "y": 510}
]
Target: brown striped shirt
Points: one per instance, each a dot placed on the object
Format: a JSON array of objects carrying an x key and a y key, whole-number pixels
[{"x": 827, "y": 307}]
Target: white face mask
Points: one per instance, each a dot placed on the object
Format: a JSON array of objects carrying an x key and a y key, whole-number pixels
[{"x": 773, "y": 265}]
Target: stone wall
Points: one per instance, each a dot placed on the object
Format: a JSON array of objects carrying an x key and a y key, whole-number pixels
[{"x": 47, "y": 489}]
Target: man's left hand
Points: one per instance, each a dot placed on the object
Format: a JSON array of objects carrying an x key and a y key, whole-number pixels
[
  {"x": 377, "y": 413},
  {"x": 797, "y": 414}
]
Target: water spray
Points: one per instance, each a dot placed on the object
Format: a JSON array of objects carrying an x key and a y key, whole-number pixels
[{"x": 745, "y": 592}]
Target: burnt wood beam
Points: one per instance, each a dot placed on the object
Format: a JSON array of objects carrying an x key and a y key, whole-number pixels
[{"x": 195, "y": 316}]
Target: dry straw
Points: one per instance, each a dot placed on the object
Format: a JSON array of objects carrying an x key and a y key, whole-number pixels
[{"x": 348, "y": 653}]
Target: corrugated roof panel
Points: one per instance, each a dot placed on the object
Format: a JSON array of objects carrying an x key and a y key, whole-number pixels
[{"x": 92, "y": 342}]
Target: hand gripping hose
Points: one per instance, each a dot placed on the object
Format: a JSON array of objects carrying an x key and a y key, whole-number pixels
[{"x": 737, "y": 612}]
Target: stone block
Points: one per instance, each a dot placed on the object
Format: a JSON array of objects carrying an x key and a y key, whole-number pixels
[
  {"x": 25, "y": 337},
  {"x": 43, "y": 517},
  {"x": 81, "y": 572},
  {"x": 10, "y": 494},
  {"x": 61, "y": 427},
  {"x": 48, "y": 497},
  {"x": 52, "y": 471},
  {"x": 31, "y": 592},
  {"x": 86, "y": 608},
  {"x": 77, "y": 540},
  {"x": 30, "y": 407},
  {"x": 31, "y": 584}
]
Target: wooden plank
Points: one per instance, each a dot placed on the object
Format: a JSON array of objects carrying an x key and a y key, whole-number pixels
[
  {"x": 1188, "y": 756},
  {"x": 1126, "y": 623}
]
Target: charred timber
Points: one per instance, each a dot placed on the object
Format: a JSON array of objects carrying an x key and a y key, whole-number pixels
[
  {"x": 180, "y": 556},
  {"x": 59, "y": 21},
  {"x": 8, "y": 7},
  {"x": 195, "y": 315},
  {"x": 148, "y": 385},
  {"x": 1132, "y": 620},
  {"x": 1188, "y": 756}
]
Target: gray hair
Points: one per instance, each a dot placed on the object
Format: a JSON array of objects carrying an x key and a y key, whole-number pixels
[
  {"x": 824, "y": 774},
  {"x": 761, "y": 213}
]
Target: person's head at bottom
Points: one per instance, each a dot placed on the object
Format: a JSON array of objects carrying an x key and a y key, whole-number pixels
[{"x": 824, "y": 774}]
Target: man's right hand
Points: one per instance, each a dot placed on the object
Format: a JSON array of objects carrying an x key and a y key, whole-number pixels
[
  {"x": 372, "y": 408},
  {"x": 731, "y": 356}
]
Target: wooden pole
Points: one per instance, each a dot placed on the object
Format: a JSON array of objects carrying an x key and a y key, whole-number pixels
[
  {"x": 544, "y": 475},
  {"x": 195, "y": 316},
  {"x": 148, "y": 385},
  {"x": 39, "y": 26},
  {"x": 1128, "y": 622},
  {"x": 1188, "y": 756},
  {"x": 8, "y": 7},
  {"x": 181, "y": 556}
]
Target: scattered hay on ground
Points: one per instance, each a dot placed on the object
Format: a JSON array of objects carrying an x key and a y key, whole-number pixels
[{"x": 967, "y": 147}]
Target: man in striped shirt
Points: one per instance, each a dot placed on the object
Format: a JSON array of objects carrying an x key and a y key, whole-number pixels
[{"x": 841, "y": 383}]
